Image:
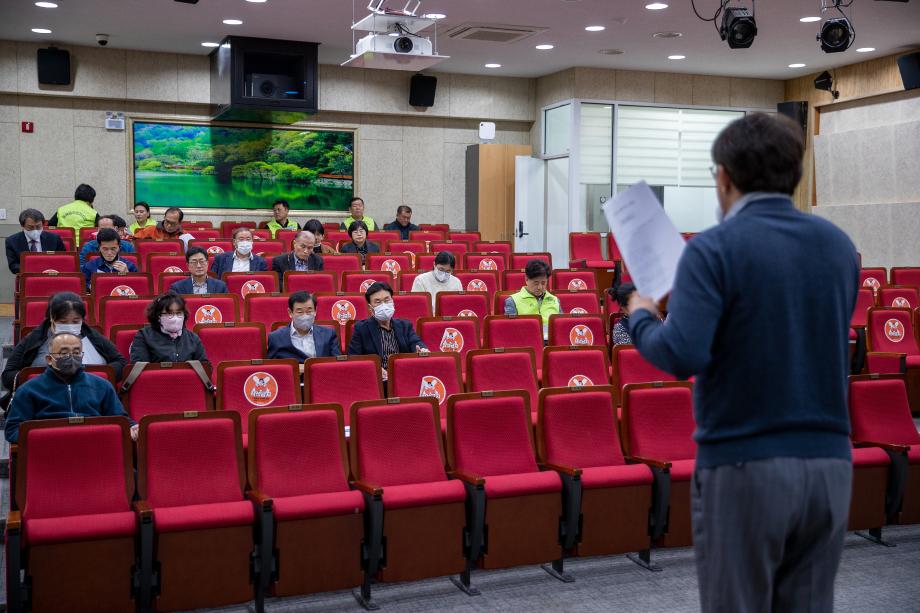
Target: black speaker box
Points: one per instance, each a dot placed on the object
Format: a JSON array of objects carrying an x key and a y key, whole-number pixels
[
  {"x": 797, "y": 111},
  {"x": 909, "y": 65},
  {"x": 421, "y": 90},
  {"x": 53, "y": 66}
]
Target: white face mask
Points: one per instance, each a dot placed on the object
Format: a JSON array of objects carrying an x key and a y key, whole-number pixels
[
  {"x": 71, "y": 328},
  {"x": 384, "y": 311},
  {"x": 244, "y": 247},
  {"x": 171, "y": 324},
  {"x": 305, "y": 321},
  {"x": 441, "y": 275},
  {"x": 33, "y": 235}
]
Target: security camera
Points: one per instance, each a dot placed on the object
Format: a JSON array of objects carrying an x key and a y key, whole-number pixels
[{"x": 102, "y": 39}]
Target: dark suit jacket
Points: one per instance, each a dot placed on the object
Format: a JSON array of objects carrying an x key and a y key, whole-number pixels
[
  {"x": 283, "y": 262},
  {"x": 17, "y": 243},
  {"x": 280, "y": 345},
  {"x": 223, "y": 262},
  {"x": 365, "y": 340},
  {"x": 184, "y": 286}
]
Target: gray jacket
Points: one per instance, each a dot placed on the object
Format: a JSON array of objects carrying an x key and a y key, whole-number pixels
[{"x": 151, "y": 345}]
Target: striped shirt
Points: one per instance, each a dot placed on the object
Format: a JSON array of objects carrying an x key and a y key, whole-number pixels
[{"x": 388, "y": 345}]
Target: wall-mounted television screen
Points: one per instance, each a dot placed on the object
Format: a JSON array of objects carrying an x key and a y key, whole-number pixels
[{"x": 233, "y": 167}]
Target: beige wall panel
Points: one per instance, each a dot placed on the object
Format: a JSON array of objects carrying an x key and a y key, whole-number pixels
[
  {"x": 381, "y": 127},
  {"x": 747, "y": 92},
  {"x": 341, "y": 88},
  {"x": 454, "y": 172},
  {"x": 9, "y": 108},
  {"x": 380, "y": 168},
  {"x": 197, "y": 112},
  {"x": 386, "y": 91},
  {"x": 709, "y": 90},
  {"x": 636, "y": 86},
  {"x": 10, "y": 170},
  {"x": 194, "y": 78},
  {"x": 512, "y": 98},
  {"x": 153, "y": 76},
  {"x": 47, "y": 155},
  {"x": 423, "y": 161},
  {"x": 9, "y": 66},
  {"x": 48, "y": 206},
  {"x": 98, "y": 72},
  {"x": 907, "y": 164},
  {"x": 673, "y": 88},
  {"x": 555, "y": 87},
  {"x": 471, "y": 96},
  {"x": 106, "y": 169},
  {"x": 595, "y": 83}
]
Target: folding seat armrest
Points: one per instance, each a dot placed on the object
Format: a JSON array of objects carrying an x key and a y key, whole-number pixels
[
  {"x": 578, "y": 263},
  {"x": 565, "y": 470},
  {"x": 662, "y": 464},
  {"x": 368, "y": 488},
  {"x": 14, "y": 522},
  {"x": 886, "y": 362},
  {"x": 897, "y": 475},
  {"x": 467, "y": 478},
  {"x": 146, "y": 579},
  {"x": 892, "y": 447},
  {"x": 263, "y": 501},
  {"x": 143, "y": 510}
]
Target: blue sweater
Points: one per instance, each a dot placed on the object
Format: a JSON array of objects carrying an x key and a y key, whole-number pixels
[
  {"x": 760, "y": 312},
  {"x": 48, "y": 396}
]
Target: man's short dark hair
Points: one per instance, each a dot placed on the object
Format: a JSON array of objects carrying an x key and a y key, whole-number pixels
[
  {"x": 761, "y": 153},
  {"x": 195, "y": 251},
  {"x": 315, "y": 226},
  {"x": 173, "y": 209},
  {"x": 106, "y": 235},
  {"x": 33, "y": 214},
  {"x": 301, "y": 296},
  {"x": 404, "y": 208},
  {"x": 357, "y": 225},
  {"x": 85, "y": 193},
  {"x": 622, "y": 293},
  {"x": 283, "y": 203},
  {"x": 118, "y": 222},
  {"x": 63, "y": 304},
  {"x": 355, "y": 199},
  {"x": 536, "y": 268},
  {"x": 445, "y": 257},
  {"x": 376, "y": 287}
]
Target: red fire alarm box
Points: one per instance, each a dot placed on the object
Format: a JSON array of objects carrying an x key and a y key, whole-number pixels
[{"x": 28, "y": 127}]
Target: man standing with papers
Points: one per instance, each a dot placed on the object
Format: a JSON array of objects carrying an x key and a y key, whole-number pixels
[{"x": 759, "y": 312}]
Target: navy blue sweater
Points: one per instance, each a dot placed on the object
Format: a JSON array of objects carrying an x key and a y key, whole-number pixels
[{"x": 760, "y": 312}]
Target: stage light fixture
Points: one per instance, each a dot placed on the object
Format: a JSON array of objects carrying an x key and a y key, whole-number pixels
[
  {"x": 836, "y": 35},
  {"x": 825, "y": 82},
  {"x": 738, "y": 27}
]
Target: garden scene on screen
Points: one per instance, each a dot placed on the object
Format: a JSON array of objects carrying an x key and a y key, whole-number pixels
[{"x": 242, "y": 168}]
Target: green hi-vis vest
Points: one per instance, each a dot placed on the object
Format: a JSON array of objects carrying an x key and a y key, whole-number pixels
[
  {"x": 274, "y": 226},
  {"x": 369, "y": 221},
  {"x": 136, "y": 226},
  {"x": 77, "y": 214},
  {"x": 526, "y": 304}
]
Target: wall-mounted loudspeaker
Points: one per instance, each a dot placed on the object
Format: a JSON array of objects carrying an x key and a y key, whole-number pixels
[
  {"x": 797, "y": 111},
  {"x": 421, "y": 90},
  {"x": 53, "y": 66},
  {"x": 909, "y": 65}
]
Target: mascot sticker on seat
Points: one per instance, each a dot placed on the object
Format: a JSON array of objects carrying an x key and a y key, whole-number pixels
[
  {"x": 581, "y": 335},
  {"x": 477, "y": 285},
  {"x": 343, "y": 311},
  {"x": 452, "y": 340},
  {"x": 487, "y": 264},
  {"x": 578, "y": 311},
  {"x": 432, "y": 387},
  {"x": 252, "y": 287},
  {"x": 578, "y": 284},
  {"x": 579, "y": 381},
  {"x": 173, "y": 269},
  {"x": 208, "y": 314},
  {"x": 872, "y": 282},
  {"x": 900, "y": 303},
  {"x": 260, "y": 389},
  {"x": 215, "y": 249},
  {"x": 123, "y": 290},
  {"x": 467, "y": 313},
  {"x": 367, "y": 283},
  {"x": 894, "y": 330},
  {"x": 391, "y": 266}
]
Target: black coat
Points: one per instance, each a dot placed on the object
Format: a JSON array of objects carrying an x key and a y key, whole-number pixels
[
  {"x": 151, "y": 345},
  {"x": 17, "y": 243},
  {"x": 283, "y": 262},
  {"x": 365, "y": 340}
]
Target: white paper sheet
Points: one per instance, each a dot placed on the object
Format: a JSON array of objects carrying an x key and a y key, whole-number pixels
[{"x": 650, "y": 244}]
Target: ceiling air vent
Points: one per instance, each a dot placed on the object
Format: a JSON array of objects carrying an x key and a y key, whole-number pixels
[{"x": 493, "y": 33}]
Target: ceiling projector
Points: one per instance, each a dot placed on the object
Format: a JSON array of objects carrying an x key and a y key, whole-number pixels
[{"x": 385, "y": 43}]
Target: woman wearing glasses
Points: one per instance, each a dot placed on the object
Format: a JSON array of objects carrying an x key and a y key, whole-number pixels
[{"x": 165, "y": 338}]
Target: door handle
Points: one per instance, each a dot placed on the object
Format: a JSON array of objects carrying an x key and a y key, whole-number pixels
[{"x": 521, "y": 233}]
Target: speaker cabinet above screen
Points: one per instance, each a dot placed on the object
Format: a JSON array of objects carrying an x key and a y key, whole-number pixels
[
  {"x": 53, "y": 66},
  {"x": 263, "y": 80}
]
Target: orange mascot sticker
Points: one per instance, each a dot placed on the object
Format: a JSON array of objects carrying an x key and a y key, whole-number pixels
[
  {"x": 260, "y": 389},
  {"x": 208, "y": 314},
  {"x": 579, "y": 381},
  {"x": 872, "y": 282},
  {"x": 252, "y": 287},
  {"x": 477, "y": 285},
  {"x": 367, "y": 283},
  {"x": 214, "y": 249},
  {"x": 452, "y": 340},
  {"x": 894, "y": 330},
  {"x": 123, "y": 290},
  {"x": 51, "y": 270},
  {"x": 173, "y": 269},
  {"x": 467, "y": 313},
  {"x": 581, "y": 335},
  {"x": 343, "y": 311},
  {"x": 390, "y": 266},
  {"x": 900, "y": 302},
  {"x": 578, "y": 311},
  {"x": 432, "y": 387},
  {"x": 577, "y": 284},
  {"x": 487, "y": 264}
]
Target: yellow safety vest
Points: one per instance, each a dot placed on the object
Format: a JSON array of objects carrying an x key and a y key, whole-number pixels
[
  {"x": 136, "y": 226},
  {"x": 526, "y": 304},
  {"x": 274, "y": 226},
  {"x": 77, "y": 214},
  {"x": 371, "y": 225}
]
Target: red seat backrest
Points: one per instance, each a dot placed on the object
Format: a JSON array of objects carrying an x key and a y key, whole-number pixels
[
  {"x": 32, "y": 311},
  {"x": 49, "y": 261},
  {"x": 286, "y": 237},
  {"x": 465, "y": 237},
  {"x": 389, "y": 262},
  {"x": 268, "y": 249},
  {"x": 577, "y": 330},
  {"x": 405, "y": 279},
  {"x": 412, "y": 305},
  {"x": 874, "y": 278},
  {"x": 899, "y": 297},
  {"x": 519, "y": 260},
  {"x": 145, "y": 246},
  {"x": 514, "y": 331},
  {"x": 450, "y": 334},
  {"x": 426, "y": 235},
  {"x": 585, "y": 246},
  {"x": 233, "y": 341},
  {"x": 613, "y": 250},
  {"x": 490, "y": 435},
  {"x": 494, "y": 247},
  {"x": 357, "y": 282},
  {"x": 156, "y": 263},
  {"x": 121, "y": 284},
  {"x": 342, "y": 380},
  {"x": 514, "y": 280},
  {"x": 574, "y": 279},
  {"x": 512, "y": 369},
  {"x": 245, "y": 283},
  {"x": 122, "y": 335},
  {"x": 905, "y": 275},
  {"x": 266, "y": 309},
  {"x": 261, "y": 234},
  {"x": 479, "y": 280},
  {"x": 37, "y": 284},
  {"x": 122, "y": 310},
  {"x": 458, "y": 249},
  {"x": 343, "y": 262},
  {"x": 865, "y": 300},
  {"x": 485, "y": 261},
  {"x": 341, "y": 307},
  {"x": 891, "y": 330},
  {"x": 164, "y": 280},
  {"x": 568, "y": 367},
  {"x": 880, "y": 411},
  {"x": 462, "y": 304},
  {"x": 245, "y": 385},
  {"x": 213, "y": 246},
  {"x": 211, "y": 309},
  {"x": 579, "y": 429},
  {"x": 201, "y": 234},
  {"x": 578, "y": 303},
  {"x": 436, "y": 227},
  {"x": 66, "y": 234},
  {"x": 88, "y": 234},
  {"x": 163, "y": 389},
  {"x": 436, "y": 375},
  {"x": 657, "y": 421},
  {"x": 227, "y": 227},
  {"x": 300, "y": 452},
  {"x": 311, "y": 281},
  {"x": 630, "y": 367}
]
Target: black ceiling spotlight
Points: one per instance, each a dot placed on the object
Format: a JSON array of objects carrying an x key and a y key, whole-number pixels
[
  {"x": 825, "y": 82},
  {"x": 738, "y": 27},
  {"x": 836, "y": 35}
]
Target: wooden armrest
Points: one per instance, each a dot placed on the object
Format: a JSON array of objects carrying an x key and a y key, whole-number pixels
[
  {"x": 648, "y": 461},
  {"x": 368, "y": 488},
  {"x": 14, "y": 521},
  {"x": 467, "y": 477},
  {"x": 566, "y": 470},
  {"x": 886, "y": 446},
  {"x": 142, "y": 507},
  {"x": 265, "y": 502}
]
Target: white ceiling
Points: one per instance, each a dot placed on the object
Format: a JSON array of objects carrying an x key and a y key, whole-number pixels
[{"x": 165, "y": 25}]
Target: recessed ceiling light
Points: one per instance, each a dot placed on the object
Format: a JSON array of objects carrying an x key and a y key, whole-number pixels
[
  {"x": 233, "y": 22},
  {"x": 595, "y": 28},
  {"x": 809, "y": 19},
  {"x": 210, "y": 44},
  {"x": 656, "y": 6},
  {"x": 544, "y": 47},
  {"x": 797, "y": 65},
  {"x": 865, "y": 49},
  {"x": 493, "y": 65},
  {"x": 46, "y": 5},
  {"x": 41, "y": 30},
  {"x": 434, "y": 16},
  {"x": 610, "y": 51},
  {"x": 257, "y": 1},
  {"x": 677, "y": 57},
  {"x": 667, "y": 34},
  {"x": 393, "y": 34}
]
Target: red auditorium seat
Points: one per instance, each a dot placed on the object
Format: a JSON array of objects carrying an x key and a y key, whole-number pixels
[
  {"x": 167, "y": 387},
  {"x": 880, "y": 418},
  {"x": 164, "y": 280},
  {"x": 202, "y": 233},
  {"x": 397, "y": 460},
  {"x": 261, "y": 234},
  {"x": 49, "y": 261},
  {"x": 899, "y": 296},
  {"x": 268, "y": 249},
  {"x": 574, "y": 279},
  {"x": 228, "y": 226},
  {"x": 630, "y": 367},
  {"x": 503, "y": 369},
  {"x": 575, "y": 366},
  {"x": 657, "y": 429},
  {"x": 458, "y": 335},
  {"x": 426, "y": 235},
  {"x": 435, "y": 227},
  {"x": 412, "y": 305},
  {"x": 266, "y": 309},
  {"x": 585, "y": 251},
  {"x": 66, "y": 234},
  {"x": 146, "y": 246},
  {"x": 466, "y": 237},
  {"x": 503, "y": 247},
  {"x": 893, "y": 347},
  {"x": 171, "y": 262},
  {"x": 189, "y": 226},
  {"x": 515, "y": 331},
  {"x": 245, "y": 283},
  {"x": 74, "y": 486},
  {"x": 32, "y": 313},
  {"x": 424, "y": 261},
  {"x": 211, "y": 309},
  {"x": 874, "y": 278},
  {"x": 245, "y": 385},
  {"x": 383, "y": 237},
  {"x": 88, "y": 234},
  {"x": 458, "y": 249},
  {"x": 514, "y": 279},
  {"x": 430, "y": 375},
  {"x": 405, "y": 279},
  {"x": 103, "y": 371},
  {"x": 115, "y": 310},
  {"x": 577, "y": 437},
  {"x": 233, "y": 341},
  {"x": 905, "y": 275},
  {"x": 357, "y": 282},
  {"x": 613, "y": 250},
  {"x": 341, "y": 307},
  {"x": 341, "y": 263},
  {"x": 122, "y": 335},
  {"x": 462, "y": 304},
  {"x": 498, "y": 301},
  {"x": 490, "y": 447},
  {"x": 479, "y": 281},
  {"x": 567, "y": 329},
  {"x": 286, "y": 237},
  {"x": 47, "y": 284},
  {"x": 391, "y": 263},
  {"x": 213, "y": 246},
  {"x": 865, "y": 299},
  {"x": 485, "y": 261},
  {"x": 298, "y": 465},
  {"x": 519, "y": 260},
  {"x": 342, "y": 380},
  {"x": 191, "y": 479},
  {"x": 335, "y": 236},
  {"x": 128, "y": 257},
  {"x": 413, "y": 247},
  {"x": 121, "y": 284},
  {"x": 578, "y": 302},
  {"x": 310, "y": 281}
]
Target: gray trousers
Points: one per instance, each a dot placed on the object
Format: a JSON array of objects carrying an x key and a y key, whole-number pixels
[{"x": 768, "y": 534}]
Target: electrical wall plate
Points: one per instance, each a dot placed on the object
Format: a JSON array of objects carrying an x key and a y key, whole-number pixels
[{"x": 114, "y": 120}]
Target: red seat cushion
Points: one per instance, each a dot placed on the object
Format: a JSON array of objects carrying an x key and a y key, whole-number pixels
[
  {"x": 80, "y": 528},
  {"x": 913, "y": 456},
  {"x": 870, "y": 456},
  {"x": 682, "y": 470},
  {"x": 615, "y": 476},
  {"x": 423, "y": 494},
  {"x": 913, "y": 361},
  {"x": 310, "y": 506},
  {"x": 523, "y": 484},
  {"x": 600, "y": 263},
  {"x": 202, "y": 516}
]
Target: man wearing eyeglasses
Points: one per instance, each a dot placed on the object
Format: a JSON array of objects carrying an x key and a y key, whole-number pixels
[
  {"x": 63, "y": 390},
  {"x": 170, "y": 227}
]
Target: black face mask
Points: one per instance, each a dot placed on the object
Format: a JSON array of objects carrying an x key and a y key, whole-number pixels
[
  {"x": 67, "y": 365},
  {"x": 317, "y": 248}
]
